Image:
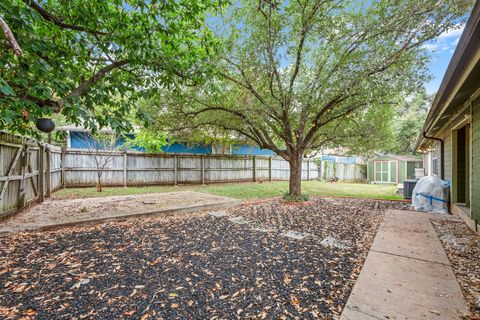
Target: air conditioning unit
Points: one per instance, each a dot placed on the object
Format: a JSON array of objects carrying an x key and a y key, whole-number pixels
[{"x": 408, "y": 186}]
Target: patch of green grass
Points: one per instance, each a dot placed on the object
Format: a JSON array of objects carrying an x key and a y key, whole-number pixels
[
  {"x": 289, "y": 198},
  {"x": 247, "y": 190}
]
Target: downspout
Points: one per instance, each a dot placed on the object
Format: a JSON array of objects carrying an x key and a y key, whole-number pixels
[
  {"x": 442, "y": 164},
  {"x": 442, "y": 153}
]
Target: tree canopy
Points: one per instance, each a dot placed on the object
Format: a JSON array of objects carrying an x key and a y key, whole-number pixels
[
  {"x": 408, "y": 122},
  {"x": 297, "y": 75},
  {"x": 90, "y": 60}
]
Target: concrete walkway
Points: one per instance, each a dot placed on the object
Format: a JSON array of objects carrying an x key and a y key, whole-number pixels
[{"x": 406, "y": 275}]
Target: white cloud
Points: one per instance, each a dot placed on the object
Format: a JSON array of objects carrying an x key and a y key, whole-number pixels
[
  {"x": 453, "y": 33},
  {"x": 430, "y": 46},
  {"x": 446, "y": 42}
]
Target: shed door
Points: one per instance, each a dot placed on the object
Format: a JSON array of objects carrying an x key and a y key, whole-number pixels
[{"x": 382, "y": 171}]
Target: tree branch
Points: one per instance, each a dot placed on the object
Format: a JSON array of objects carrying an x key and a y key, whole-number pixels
[
  {"x": 57, "y": 21},
  {"x": 84, "y": 86},
  {"x": 11, "y": 38}
]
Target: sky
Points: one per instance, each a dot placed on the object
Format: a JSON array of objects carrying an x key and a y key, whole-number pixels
[{"x": 441, "y": 51}]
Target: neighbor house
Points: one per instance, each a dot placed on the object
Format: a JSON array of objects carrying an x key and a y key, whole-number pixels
[
  {"x": 79, "y": 138},
  {"x": 450, "y": 139}
]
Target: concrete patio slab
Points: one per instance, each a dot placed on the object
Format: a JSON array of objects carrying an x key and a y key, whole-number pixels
[
  {"x": 406, "y": 275},
  {"x": 409, "y": 234},
  {"x": 53, "y": 214}
]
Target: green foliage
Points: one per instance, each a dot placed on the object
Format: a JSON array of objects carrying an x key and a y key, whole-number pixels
[
  {"x": 408, "y": 122},
  {"x": 91, "y": 60},
  {"x": 294, "y": 198},
  {"x": 301, "y": 75},
  {"x": 102, "y": 141},
  {"x": 150, "y": 142},
  {"x": 247, "y": 190}
]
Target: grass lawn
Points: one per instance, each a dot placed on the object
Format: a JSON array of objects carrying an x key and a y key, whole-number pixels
[{"x": 246, "y": 190}]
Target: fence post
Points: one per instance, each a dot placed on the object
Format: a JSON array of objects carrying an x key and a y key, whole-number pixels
[
  {"x": 125, "y": 169},
  {"x": 62, "y": 163},
  {"x": 41, "y": 173},
  {"x": 175, "y": 170},
  {"x": 48, "y": 172},
  {"x": 203, "y": 169},
  {"x": 254, "y": 169},
  {"x": 24, "y": 161},
  {"x": 270, "y": 176}
]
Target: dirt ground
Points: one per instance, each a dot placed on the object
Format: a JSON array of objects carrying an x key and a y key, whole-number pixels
[{"x": 70, "y": 210}]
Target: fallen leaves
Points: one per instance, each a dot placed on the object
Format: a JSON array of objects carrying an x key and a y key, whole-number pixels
[
  {"x": 192, "y": 267},
  {"x": 462, "y": 246}
]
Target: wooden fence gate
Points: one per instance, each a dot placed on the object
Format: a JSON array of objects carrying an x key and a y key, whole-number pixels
[{"x": 29, "y": 172}]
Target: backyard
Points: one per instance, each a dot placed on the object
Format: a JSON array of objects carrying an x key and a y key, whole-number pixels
[
  {"x": 259, "y": 259},
  {"x": 248, "y": 190},
  {"x": 248, "y": 159},
  {"x": 195, "y": 266}
]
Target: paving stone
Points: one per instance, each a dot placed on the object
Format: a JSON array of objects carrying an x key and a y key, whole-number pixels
[
  {"x": 264, "y": 229},
  {"x": 218, "y": 214},
  {"x": 294, "y": 234},
  {"x": 334, "y": 243},
  {"x": 238, "y": 220}
]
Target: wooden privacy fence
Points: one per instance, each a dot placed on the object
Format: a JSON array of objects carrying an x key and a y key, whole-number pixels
[
  {"x": 131, "y": 168},
  {"x": 29, "y": 171},
  {"x": 347, "y": 172}
]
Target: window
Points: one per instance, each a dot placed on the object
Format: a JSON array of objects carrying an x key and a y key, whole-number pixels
[
  {"x": 382, "y": 171},
  {"x": 434, "y": 162}
]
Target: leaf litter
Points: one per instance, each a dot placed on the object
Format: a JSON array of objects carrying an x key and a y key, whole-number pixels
[
  {"x": 193, "y": 266},
  {"x": 462, "y": 246}
]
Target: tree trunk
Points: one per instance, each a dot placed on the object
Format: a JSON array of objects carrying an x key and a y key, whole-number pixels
[
  {"x": 295, "y": 183},
  {"x": 99, "y": 184}
]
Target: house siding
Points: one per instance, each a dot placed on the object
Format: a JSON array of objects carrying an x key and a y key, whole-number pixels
[
  {"x": 82, "y": 140},
  {"x": 475, "y": 176},
  {"x": 447, "y": 138},
  {"x": 251, "y": 150}
]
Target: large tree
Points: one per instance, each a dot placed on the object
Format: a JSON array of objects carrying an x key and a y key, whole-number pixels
[
  {"x": 296, "y": 75},
  {"x": 408, "y": 122},
  {"x": 89, "y": 60}
]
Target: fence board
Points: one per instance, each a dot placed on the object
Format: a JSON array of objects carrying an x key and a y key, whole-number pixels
[
  {"x": 75, "y": 167},
  {"x": 21, "y": 178},
  {"x": 147, "y": 169}
]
